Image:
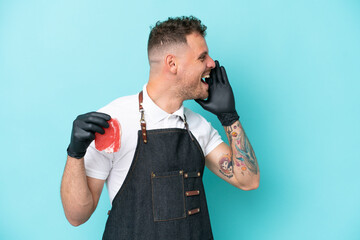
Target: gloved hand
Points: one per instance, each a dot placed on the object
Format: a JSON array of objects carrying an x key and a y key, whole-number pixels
[
  {"x": 221, "y": 100},
  {"x": 83, "y": 132}
]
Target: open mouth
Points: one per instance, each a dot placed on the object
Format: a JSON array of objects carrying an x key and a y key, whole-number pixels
[{"x": 205, "y": 78}]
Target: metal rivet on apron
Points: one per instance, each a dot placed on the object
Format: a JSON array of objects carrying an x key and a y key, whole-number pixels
[
  {"x": 199, "y": 174},
  {"x": 181, "y": 172},
  {"x": 192, "y": 193},
  {"x": 193, "y": 211},
  {"x": 185, "y": 175}
]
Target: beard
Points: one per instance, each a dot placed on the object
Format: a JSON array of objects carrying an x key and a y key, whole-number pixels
[{"x": 198, "y": 91}]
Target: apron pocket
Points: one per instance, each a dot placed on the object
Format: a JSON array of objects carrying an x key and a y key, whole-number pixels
[{"x": 168, "y": 195}]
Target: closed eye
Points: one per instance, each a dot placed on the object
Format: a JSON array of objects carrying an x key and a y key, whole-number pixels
[{"x": 202, "y": 57}]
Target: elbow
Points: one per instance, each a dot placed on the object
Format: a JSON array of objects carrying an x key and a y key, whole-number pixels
[
  {"x": 75, "y": 223},
  {"x": 76, "y": 220},
  {"x": 78, "y": 214},
  {"x": 249, "y": 187}
]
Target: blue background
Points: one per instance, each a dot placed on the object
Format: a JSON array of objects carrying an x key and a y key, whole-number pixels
[{"x": 294, "y": 68}]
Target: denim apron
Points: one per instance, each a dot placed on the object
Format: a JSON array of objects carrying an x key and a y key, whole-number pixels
[{"x": 163, "y": 195}]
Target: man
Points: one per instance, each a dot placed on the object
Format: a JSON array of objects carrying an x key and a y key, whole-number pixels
[{"x": 155, "y": 179}]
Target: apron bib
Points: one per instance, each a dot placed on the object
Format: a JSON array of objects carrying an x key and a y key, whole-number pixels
[{"x": 163, "y": 195}]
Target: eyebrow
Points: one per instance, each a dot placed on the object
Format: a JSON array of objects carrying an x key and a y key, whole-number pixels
[{"x": 203, "y": 54}]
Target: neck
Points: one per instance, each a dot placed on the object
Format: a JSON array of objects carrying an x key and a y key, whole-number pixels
[{"x": 163, "y": 93}]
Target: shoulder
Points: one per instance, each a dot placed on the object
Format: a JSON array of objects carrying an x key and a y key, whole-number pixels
[
  {"x": 195, "y": 120},
  {"x": 207, "y": 136}
]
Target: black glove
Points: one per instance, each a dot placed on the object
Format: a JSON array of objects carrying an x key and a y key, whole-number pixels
[
  {"x": 83, "y": 132},
  {"x": 221, "y": 100}
]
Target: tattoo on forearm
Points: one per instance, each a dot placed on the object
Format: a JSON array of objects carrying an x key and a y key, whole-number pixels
[
  {"x": 243, "y": 153},
  {"x": 226, "y": 165}
]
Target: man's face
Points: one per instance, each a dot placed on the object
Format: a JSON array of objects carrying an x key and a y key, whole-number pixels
[{"x": 194, "y": 66}]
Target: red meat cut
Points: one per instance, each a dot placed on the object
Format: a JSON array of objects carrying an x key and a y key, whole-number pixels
[{"x": 110, "y": 141}]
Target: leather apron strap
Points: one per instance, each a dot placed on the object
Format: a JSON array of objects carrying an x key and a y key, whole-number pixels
[{"x": 142, "y": 120}]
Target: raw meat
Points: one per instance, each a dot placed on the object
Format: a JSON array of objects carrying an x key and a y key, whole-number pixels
[{"x": 110, "y": 141}]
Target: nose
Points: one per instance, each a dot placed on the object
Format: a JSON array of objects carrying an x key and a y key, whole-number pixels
[{"x": 211, "y": 63}]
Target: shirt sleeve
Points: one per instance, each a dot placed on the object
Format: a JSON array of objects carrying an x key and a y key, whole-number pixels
[
  {"x": 97, "y": 164},
  {"x": 214, "y": 139},
  {"x": 207, "y": 136}
]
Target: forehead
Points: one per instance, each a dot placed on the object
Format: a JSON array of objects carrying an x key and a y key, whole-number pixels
[{"x": 196, "y": 43}]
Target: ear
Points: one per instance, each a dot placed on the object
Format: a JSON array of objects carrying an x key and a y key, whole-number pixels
[{"x": 171, "y": 63}]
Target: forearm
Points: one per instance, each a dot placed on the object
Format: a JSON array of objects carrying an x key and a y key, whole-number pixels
[
  {"x": 75, "y": 193},
  {"x": 243, "y": 160}
]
